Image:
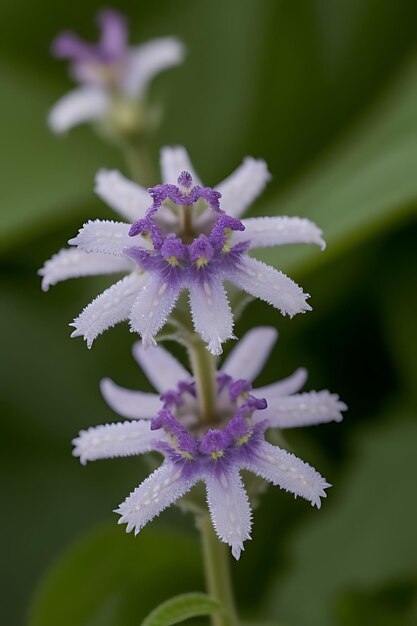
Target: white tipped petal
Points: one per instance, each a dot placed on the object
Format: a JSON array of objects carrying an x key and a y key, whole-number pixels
[
  {"x": 121, "y": 194},
  {"x": 157, "y": 492},
  {"x": 85, "y": 104},
  {"x": 305, "y": 409},
  {"x": 175, "y": 160},
  {"x": 105, "y": 236},
  {"x": 288, "y": 472},
  {"x": 160, "y": 367},
  {"x": 229, "y": 509},
  {"x": 73, "y": 263},
  {"x": 264, "y": 232},
  {"x": 114, "y": 440},
  {"x": 152, "y": 309},
  {"x": 243, "y": 186},
  {"x": 128, "y": 403},
  {"x": 146, "y": 61},
  {"x": 284, "y": 387},
  {"x": 108, "y": 309},
  {"x": 264, "y": 282},
  {"x": 212, "y": 317},
  {"x": 250, "y": 354}
]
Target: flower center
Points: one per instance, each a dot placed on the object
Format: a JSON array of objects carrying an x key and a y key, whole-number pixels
[{"x": 188, "y": 440}]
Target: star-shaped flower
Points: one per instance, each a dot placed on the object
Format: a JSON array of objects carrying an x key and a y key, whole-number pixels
[
  {"x": 182, "y": 237},
  {"x": 107, "y": 69},
  {"x": 214, "y": 452}
]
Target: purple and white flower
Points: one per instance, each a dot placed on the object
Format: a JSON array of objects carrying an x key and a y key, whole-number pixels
[
  {"x": 214, "y": 452},
  {"x": 181, "y": 236},
  {"x": 108, "y": 68}
]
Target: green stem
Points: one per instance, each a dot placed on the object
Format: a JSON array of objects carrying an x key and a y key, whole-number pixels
[
  {"x": 138, "y": 160},
  {"x": 217, "y": 571},
  {"x": 204, "y": 370}
]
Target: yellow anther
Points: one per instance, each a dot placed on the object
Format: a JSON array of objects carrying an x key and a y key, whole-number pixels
[
  {"x": 227, "y": 244},
  {"x": 217, "y": 454},
  {"x": 172, "y": 260},
  {"x": 186, "y": 455},
  {"x": 201, "y": 261},
  {"x": 242, "y": 440}
]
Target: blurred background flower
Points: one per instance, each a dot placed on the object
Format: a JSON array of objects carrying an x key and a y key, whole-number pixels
[{"x": 326, "y": 93}]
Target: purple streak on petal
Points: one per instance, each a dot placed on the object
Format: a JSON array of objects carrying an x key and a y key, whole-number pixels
[
  {"x": 201, "y": 248},
  {"x": 237, "y": 387},
  {"x": 185, "y": 180},
  {"x": 113, "y": 40},
  {"x": 214, "y": 441},
  {"x": 173, "y": 247}
]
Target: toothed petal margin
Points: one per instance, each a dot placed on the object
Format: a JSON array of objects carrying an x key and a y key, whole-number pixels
[
  {"x": 304, "y": 409},
  {"x": 288, "y": 472},
  {"x": 229, "y": 507},
  {"x": 157, "y": 492},
  {"x": 73, "y": 263},
  {"x": 211, "y": 313},
  {"x": 243, "y": 186},
  {"x": 264, "y": 232},
  {"x": 104, "y": 236},
  {"x": 108, "y": 309},
  {"x": 152, "y": 309},
  {"x": 264, "y": 282},
  {"x": 108, "y": 441}
]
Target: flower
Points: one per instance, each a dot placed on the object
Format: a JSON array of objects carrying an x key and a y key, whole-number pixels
[
  {"x": 213, "y": 452},
  {"x": 182, "y": 237},
  {"x": 107, "y": 69}
]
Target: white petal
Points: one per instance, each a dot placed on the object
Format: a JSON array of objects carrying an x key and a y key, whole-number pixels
[
  {"x": 129, "y": 403},
  {"x": 229, "y": 509},
  {"x": 288, "y": 472},
  {"x": 160, "y": 367},
  {"x": 121, "y": 194},
  {"x": 212, "y": 317},
  {"x": 109, "y": 308},
  {"x": 105, "y": 236},
  {"x": 72, "y": 263},
  {"x": 146, "y": 61},
  {"x": 264, "y": 232},
  {"x": 114, "y": 440},
  {"x": 305, "y": 409},
  {"x": 243, "y": 186},
  {"x": 284, "y": 387},
  {"x": 250, "y": 354},
  {"x": 152, "y": 308},
  {"x": 85, "y": 104},
  {"x": 264, "y": 282},
  {"x": 161, "y": 489},
  {"x": 175, "y": 160}
]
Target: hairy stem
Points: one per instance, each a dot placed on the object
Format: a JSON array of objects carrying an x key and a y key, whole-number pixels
[
  {"x": 204, "y": 370},
  {"x": 217, "y": 572}
]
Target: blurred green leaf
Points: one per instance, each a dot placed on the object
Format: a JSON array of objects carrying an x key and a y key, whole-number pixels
[
  {"x": 180, "y": 608},
  {"x": 364, "y": 185},
  {"x": 113, "y": 579},
  {"x": 393, "y": 604},
  {"x": 44, "y": 177},
  {"x": 362, "y": 537}
]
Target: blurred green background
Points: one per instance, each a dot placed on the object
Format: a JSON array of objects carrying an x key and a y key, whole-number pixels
[{"x": 326, "y": 92}]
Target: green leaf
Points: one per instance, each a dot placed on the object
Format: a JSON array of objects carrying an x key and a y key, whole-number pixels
[
  {"x": 364, "y": 185},
  {"x": 113, "y": 579},
  {"x": 364, "y": 535},
  {"x": 180, "y": 608}
]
